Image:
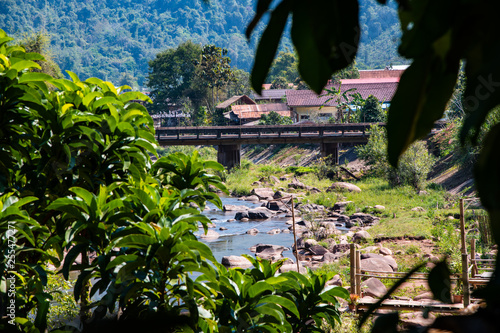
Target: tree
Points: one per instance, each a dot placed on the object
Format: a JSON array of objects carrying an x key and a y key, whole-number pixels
[
  {"x": 172, "y": 75},
  {"x": 279, "y": 83},
  {"x": 215, "y": 70},
  {"x": 371, "y": 111},
  {"x": 284, "y": 66},
  {"x": 240, "y": 85},
  {"x": 39, "y": 42},
  {"x": 436, "y": 36},
  {"x": 274, "y": 118}
]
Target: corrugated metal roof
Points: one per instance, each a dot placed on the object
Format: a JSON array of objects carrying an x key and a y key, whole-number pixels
[
  {"x": 381, "y": 73},
  {"x": 243, "y": 99},
  {"x": 255, "y": 111}
]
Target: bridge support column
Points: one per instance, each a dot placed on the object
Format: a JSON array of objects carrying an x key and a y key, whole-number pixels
[
  {"x": 330, "y": 149},
  {"x": 229, "y": 155}
]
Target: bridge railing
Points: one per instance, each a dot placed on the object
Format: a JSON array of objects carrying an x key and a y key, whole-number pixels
[{"x": 260, "y": 130}]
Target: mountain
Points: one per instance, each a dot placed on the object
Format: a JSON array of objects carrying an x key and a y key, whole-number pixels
[{"x": 115, "y": 39}]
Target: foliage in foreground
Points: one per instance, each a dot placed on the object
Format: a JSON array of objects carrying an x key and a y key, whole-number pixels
[{"x": 80, "y": 192}]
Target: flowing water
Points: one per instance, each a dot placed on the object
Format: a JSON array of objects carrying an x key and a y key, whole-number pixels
[{"x": 235, "y": 241}]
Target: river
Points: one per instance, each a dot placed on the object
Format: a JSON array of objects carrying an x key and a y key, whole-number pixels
[{"x": 235, "y": 241}]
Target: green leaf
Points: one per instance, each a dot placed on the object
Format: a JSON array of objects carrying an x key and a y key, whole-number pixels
[
  {"x": 326, "y": 37},
  {"x": 24, "y": 64},
  {"x": 440, "y": 282},
  {"x": 262, "y": 7},
  {"x": 71, "y": 257},
  {"x": 258, "y": 289},
  {"x": 282, "y": 301},
  {"x": 27, "y": 77},
  {"x": 419, "y": 102},
  {"x": 268, "y": 44},
  {"x": 386, "y": 323},
  {"x": 488, "y": 179}
]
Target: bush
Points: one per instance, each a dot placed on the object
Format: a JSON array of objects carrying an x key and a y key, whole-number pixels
[{"x": 413, "y": 167}]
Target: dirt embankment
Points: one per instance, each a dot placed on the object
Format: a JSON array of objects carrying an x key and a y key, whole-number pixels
[{"x": 454, "y": 179}]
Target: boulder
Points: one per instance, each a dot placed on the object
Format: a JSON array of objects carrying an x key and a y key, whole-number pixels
[
  {"x": 375, "y": 264},
  {"x": 329, "y": 257},
  {"x": 354, "y": 223},
  {"x": 374, "y": 287},
  {"x": 269, "y": 252},
  {"x": 379, "y": 207},
  {"x": 230, "y": 208},
  {"x": 314, "y": 190},
  {"x": 341, "y": 206},
  {"x": 343, "y": 186},
  {"x": 274, "y": 179},
  {"x": 297, "y": 185},
  {"x": 274, "y": 231},
  {"x": 343, "y": 218},
  {"x": 253, "y": 231},
  {"x": 310, "y": 242},
  {"x": 252, "y": 198},
  {"x": 263, "y": 193},
  {"x": 335, "y": 281},
  {"x": 385, "y": 251},
  {"x": 362, "y": 235},
  {"x": 388, "y": 259},
  {"x": 365, "y": 218},
  {"x": 222, "y": 228},
  {"x": 276, "y": 206},
  {"x": 340, "y": 248},
  {"x": 282, "y": 194},
  {"x": 211, "y": 234},
  {"x": 236, "y": 261},
  {"x": 418, "y": 209},
  {"x": 318, "y": 250},
  {"x": 260, "y": 213},
  {"x": 292, "y": 267}
]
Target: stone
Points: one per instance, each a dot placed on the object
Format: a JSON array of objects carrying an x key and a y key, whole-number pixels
[
  {"x": 422, "y": 192},
  {"x": 343, "y": 186},
  {"x": 310, "y": 242},
  {"x": 282, "y": 194},
  {"x": 260, "y": 213},
  {"x": 418, "y": 209},
  {"x": 362, "y": 235},
  {"x": 263, "y": 193},
  {"x": 367, "y": 219},
  {"x": 269, "y": 252},
  {"x": 274, "y": 179},
  {"x": 297, "y": 185},
  {"x": 318, "y": 250},
  {"x": 236, "y": 261},
  {"x": 335, "y": 281},
  {"x": 211, "y": 234},
  {"x": 341, "y": 206},
  {"x": 222, "y": 228},
  {"x": 256, "y": 183},
  {"x": 385, "y": 251},
  {"x": 373, "y": 287},
  {"x": 285, "y": 231},
  {"x": 231, "y": 220},
  {"x": 388, "y": 259},
  {"x": 314, "y": 190},
  {"x": 276, "y": 206},
  {"x": 375, "y": 264},
  {"x": 343, "y": 219},
  {"x": 274, "y": 231},
  {"x": 230, "y": 208},
  {"x": 245, "y": 219},
  {"x": 353, "y": 223},
  {"x": 253, "y": 231},
  {"x": 371, "y": 249},
  {"x": 378, "y": 207},
  {"x": 292, "y": 267},
  {"x": 340, "y": 248},
  {"x": 329, "y": 257},
  {"x": 252, "y": 198}
]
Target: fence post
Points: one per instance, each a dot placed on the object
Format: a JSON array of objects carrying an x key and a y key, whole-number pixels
[
  {"x": 352, "y": 248},
  {"x": 462, "y": 227},
  {"x": 358, "y": 272},
  {"x": 473, "y": 257},
  {"x": 465, "y": 279}
]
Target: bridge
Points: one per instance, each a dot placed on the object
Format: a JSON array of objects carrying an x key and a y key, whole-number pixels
[{"x": 230, "y": 138}]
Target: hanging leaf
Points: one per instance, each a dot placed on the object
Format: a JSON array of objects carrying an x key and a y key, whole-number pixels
[{"x": 440, "y": 282}]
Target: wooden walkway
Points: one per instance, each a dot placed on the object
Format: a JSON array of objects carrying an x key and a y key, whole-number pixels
[{"x": 365, "y": 302}]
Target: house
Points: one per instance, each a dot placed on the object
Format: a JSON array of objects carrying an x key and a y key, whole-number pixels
[
  {"x": 243, "y": 114},
  {"x": 235, "y": 100},
  {"x": 319, "y": 108}
]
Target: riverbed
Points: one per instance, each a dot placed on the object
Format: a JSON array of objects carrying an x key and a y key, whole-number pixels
[{"x": 235, "y": 241}]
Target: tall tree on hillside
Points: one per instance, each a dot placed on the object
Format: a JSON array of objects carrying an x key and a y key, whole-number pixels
[
  {"x": 284, "y": 66},
  {"x": 171, "y": 76},
  {"x": 215, "y": 70}
]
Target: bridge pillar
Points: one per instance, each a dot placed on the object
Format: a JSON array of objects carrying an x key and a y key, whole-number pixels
[
  {"x": 330, "y": 149},
  {"x": 229, "y": 155}
]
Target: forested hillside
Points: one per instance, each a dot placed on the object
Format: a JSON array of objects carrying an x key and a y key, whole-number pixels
[{"x": 114, "y": 40}]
